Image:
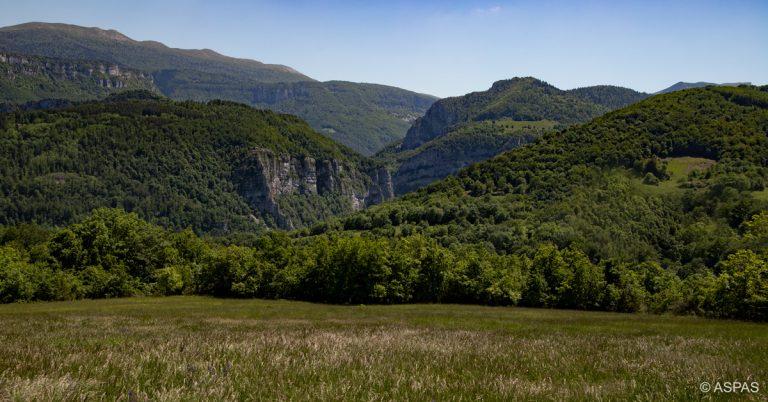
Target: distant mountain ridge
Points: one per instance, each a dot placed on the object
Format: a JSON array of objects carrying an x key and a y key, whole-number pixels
[
  {"x": 76, "y": 42},
  {"x": 523, "y": 99},
  {"x": 450, "y": 135},
  {"x": 365, "y": 117},
  {"x": 688, "y": 85}
]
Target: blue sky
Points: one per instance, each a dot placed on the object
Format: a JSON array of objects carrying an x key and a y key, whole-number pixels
[{"x": 449, "y": 48}]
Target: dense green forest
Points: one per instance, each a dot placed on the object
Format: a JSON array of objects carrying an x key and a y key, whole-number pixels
[
  {"x": 215, "y": 167},
  {"x": 658, "y": 207},
  {"x": 587, "y": 183},
  {"x": 605, "y": 189},
  {"x": 609, "y": 96}
]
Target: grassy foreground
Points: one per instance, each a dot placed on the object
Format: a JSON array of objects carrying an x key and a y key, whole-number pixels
[{"x": 196, "y": 348}]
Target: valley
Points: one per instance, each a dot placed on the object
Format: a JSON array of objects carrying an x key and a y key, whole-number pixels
[{"x": 178, "y": 224}]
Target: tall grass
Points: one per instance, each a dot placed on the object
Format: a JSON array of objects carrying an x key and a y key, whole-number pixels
[{"x": 194, "y": 348}]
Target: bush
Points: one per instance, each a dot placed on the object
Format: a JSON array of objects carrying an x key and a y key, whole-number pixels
[
  {"x": 58, "y": 285},
  {"x": 16, "y": 276},
  {"x": 170, "y": 280},
  {"x": 650, "y": 179},
  {"x": 742, "y": 287},
  {"x": 99, "y": 283}
]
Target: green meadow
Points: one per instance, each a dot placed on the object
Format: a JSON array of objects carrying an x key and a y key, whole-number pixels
[{"x": 198, "y": 348}]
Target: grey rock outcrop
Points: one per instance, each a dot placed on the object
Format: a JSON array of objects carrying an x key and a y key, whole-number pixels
[
  {"x": 435, "y": 123},
  {"x": 85, "y": 73},
  {"x": 267, "y": 177}
]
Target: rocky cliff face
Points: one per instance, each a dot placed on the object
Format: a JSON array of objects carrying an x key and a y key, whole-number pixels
[
  {"x": 436, "y": 122},
  {"x": 87, "y": 76},
  {"x": 272, "y": 94},
  {"x": 266, "y": 179}
]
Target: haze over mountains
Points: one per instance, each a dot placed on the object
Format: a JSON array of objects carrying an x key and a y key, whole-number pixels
[{"x": 363, "y": 116}]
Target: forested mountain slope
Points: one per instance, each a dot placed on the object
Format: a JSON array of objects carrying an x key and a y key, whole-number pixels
[
  {"x": 217, "y": 167},
  {"x": 365, "y": 117},
  {"x": 76, "y": 42},
  {"x": 658, "y": 207},
  {"x": 522, "y": 99},
  {"x": 456, "y": 132},
  {"x": 609, "y": 186}
]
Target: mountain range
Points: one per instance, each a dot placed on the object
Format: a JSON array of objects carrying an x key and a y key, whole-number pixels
[
  {"x": 363, "y": 116},
  {"x": 25, "y": 78},
  {"x": 261, "y": 182}
]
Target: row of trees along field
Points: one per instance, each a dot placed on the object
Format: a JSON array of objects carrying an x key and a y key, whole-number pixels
[{"x": 113, "y": 253}]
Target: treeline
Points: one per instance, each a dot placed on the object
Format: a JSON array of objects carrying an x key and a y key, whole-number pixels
[
  {"x": 116, "y": 254},
  {"x": 609, "y": 96}
]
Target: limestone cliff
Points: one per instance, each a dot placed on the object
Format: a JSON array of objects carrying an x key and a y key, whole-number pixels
[
  {"x": 26, "y": 78},
  {"x": 270, "y": 181},
  {"x": 436, "y": 122}
]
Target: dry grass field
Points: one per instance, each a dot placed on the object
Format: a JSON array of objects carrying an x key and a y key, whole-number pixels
[{"x": 195, "y": 348}]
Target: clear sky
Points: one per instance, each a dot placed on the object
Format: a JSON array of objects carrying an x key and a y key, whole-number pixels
[{"x": 448, "y": 48}]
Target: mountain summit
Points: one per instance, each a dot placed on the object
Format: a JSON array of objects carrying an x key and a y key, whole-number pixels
[{"x": 456, "y": 132}]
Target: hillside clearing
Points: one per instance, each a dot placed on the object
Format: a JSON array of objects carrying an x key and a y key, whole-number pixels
[{"x": 680, "y": 167}]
